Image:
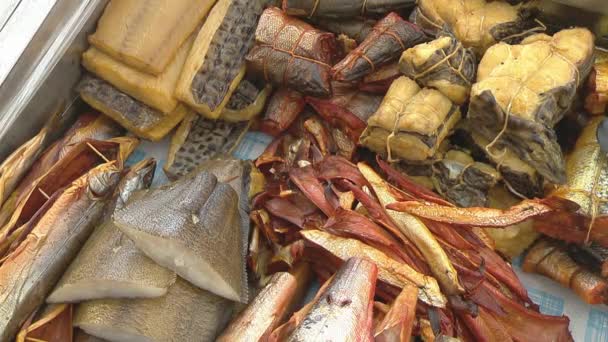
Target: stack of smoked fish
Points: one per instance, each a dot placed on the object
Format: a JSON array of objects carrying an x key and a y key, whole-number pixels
[{"x": 415, "y": 149}]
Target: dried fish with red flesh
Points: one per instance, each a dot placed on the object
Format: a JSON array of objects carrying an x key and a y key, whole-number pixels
[
  {"x": 379, "y": 81},
  {"x": 199, "y": 139},
  {"x": 270, "y": 308},
  {"x": 523, "y": 90},
  {"x": 478, "y": 24},
  {"x": 53, "y": 325},
  {"x": 597, "y": 99},
  {"x": 551, "y": 259},
  {"x": 290, "y": 52},
  {"x": 57, "y": 233},
  {"x": 410, "y": 123},
  {"x": 343, "y": 8},
  {"x": 215, "y": 66},
  {"x": 586, "y": 170},
  {"x": 283, "y": 108},
  {"x": 444, "y": 64},
  {"x": 389, "y": 38},
  {"x": 398, "y": 322},
  {"x": 344, "y": 311}
]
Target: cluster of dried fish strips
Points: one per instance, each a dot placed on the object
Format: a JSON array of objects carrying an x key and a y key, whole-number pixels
[{"x": 462, "y": 99}]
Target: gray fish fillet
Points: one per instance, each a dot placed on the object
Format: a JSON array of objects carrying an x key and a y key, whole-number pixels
[
  {"x": 31, "y": 271},
  {"x": 344, "y": 310},
  {"x": 109, "y": 265},
  {"x": 194, "y": 227},
  {"x": 185, "y": 313}
]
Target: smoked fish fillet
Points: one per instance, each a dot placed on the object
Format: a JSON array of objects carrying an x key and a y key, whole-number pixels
[{"x": 146, "y": 34}]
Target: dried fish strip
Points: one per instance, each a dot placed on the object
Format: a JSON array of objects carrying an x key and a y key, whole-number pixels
[
  {"x": 247, "y": 101},
  {"x": 135, "y": 116},
  {"x": 444, "y": 64},
  {"x": 155, "y": 91},
  {"x": 383, "y": 45},
  {"x": 290, "y": 52},
  {"x": 550, "y": 259},
  {"x": 411, "y": 123},
  {"x": 215, "y": 66},
  {"x": 478, "y": 24},
  {"x": 357, "y": 28},
  {"x": 283, "y": 109},
  {"x": 523, "y": 90},
  {"x": 198, "y": 139},
  {"x": 185, "y": 313},
  {"x": 343, "y": 8},
  {"x": 146, "y": 34}
]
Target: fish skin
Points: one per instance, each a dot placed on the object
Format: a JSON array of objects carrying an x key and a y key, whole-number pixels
[
  {"x": 31, "y": 271},
  {"x": 270, "y": 307},
  {"x": 109, "y": 265},
  {"x": 199, "y": 221},
  {"x": 390, "y": 271},
  {"x": 185, "y": 313},
  {"x": 418, "y": 233},
  {"x": 344, "y": 311}
]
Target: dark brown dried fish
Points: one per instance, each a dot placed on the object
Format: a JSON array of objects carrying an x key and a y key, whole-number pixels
[
  {"x": 356, "y": 28},
  {"x": 343, "y": 8},
  {"x": 290, "y": 52},
  {"x": 389, "y": 38}
]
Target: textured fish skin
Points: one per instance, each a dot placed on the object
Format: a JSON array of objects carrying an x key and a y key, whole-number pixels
[
  {"x": 247, "y": 101},
  {"x": 198, "y": 139},
  {"x": 198, "y": 223},
  {"x": 343, "y": 8},
  {"x": 185, "y": 313},
  {"x": 269, "y": 308},
  {"x": 109, "y": 265},
  {"x": 344, "y": 311},
  {"x": 146, "y": 34},
  {"x": 31, "y": 271}
]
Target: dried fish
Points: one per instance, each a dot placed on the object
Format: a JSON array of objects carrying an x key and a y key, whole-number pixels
[
  {"x": 57, "y": 233},
  {"x": 383, "y": 45},
  {"x": 550, "y": 259},
  {"x": 597, "y": 99},
  {"x": 411, "y": 123},
  {"x": 523, "y": 90},
  {"x": 54, "y": 325},
  {"x": 478, "y": 24},
  {"x": 147, "y": 34},
  {"x": 444, "y": 64},
  {"x": 215, "y": 66},
  {"x": 379, "y": 81},
  {"x": 185, "y": 313},
  {"x": 290, "y": 52},
  {"x": 198, "y": 139},
  {"x": 390, "y": 271},
  {"x": 193, "y": 219},
  {"x": 356, "y": 28},
  {"x": 283, "y": 109},
  {"x": 344, "y": 311},
  {"x": 135, "y": 116},
  {"x": 109, "y": 265},
  {"x": 270, "y": 308},
  {"x": 398, "y": 322},
  {"x": 247, "y": 101},
  {"x": 343, "y": 9}
]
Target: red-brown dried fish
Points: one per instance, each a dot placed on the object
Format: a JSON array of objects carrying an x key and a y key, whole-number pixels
[
  {"x": 333, "y": 167},
  {"x": 399, "y": 320},
  {"x": 283, "y": 108},
  {"x": 56, "y": 325},
  {"x": 484, "y": 217},
  {"x": 380, "y": 80},
  {"x": 550, "y": 258},
  {"x": 344, "y": 310},
  {"x": 390, "y": 37},
  {"x": 290, "y": 52},
  {"x": 305, "y": 179},
  {"x": 270, "y": 307}
]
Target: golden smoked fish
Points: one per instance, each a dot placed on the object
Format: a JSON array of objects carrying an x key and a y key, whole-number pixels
[
  {"x": 31, "y": 271},
  {"x": 270, "y": 307},
  {"x": 215, "y": 66},
  {"x": 195, "y": 227},
  {"x": 185, "y": 313},
  {"x": 109, "y": 265},
  {"x": 146, "y": 34}
]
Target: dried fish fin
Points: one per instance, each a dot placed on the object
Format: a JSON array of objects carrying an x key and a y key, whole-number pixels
[
  {"x": 131, "y": 114},
  {"x": 215, "y": 66},
  {"x": 146, "y": 35}
]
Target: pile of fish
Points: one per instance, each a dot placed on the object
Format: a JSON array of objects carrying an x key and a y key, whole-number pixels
[{"x": 417, "y": 145}]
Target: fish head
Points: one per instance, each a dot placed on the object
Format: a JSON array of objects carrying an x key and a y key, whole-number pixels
[
  {"x": 102, "y": 180},
  {"x": 139, "y": 177}
]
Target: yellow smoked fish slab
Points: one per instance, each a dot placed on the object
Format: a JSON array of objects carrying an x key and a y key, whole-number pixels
[{"x": 146, "y": 34}]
